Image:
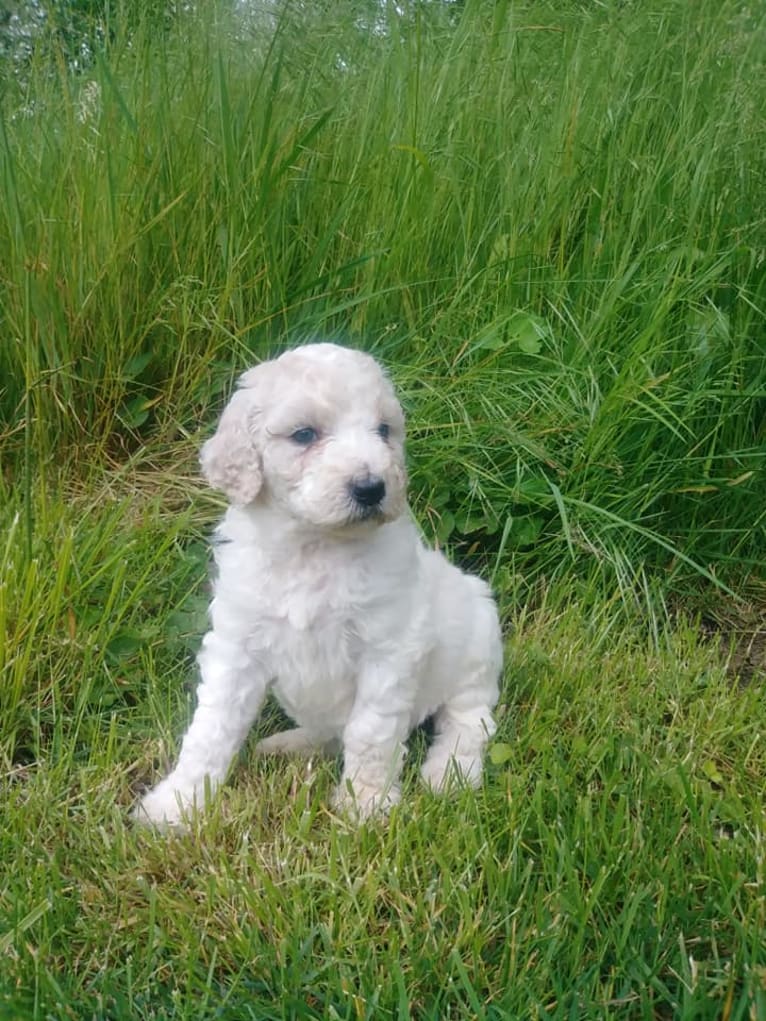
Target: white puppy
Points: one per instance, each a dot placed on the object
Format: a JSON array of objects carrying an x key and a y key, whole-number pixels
[{"x": 326, "y": 596}]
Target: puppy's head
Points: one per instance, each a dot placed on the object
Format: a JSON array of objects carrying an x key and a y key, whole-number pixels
[{"x": 317, "y": 433}]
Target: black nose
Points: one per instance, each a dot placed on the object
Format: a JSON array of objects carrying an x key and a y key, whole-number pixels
[{"x": 368, "y": 492}]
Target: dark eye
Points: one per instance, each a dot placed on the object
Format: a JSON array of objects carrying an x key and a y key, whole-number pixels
[
  {"x": 384, "y": 430},
  {"x": 305, "y": 436}
]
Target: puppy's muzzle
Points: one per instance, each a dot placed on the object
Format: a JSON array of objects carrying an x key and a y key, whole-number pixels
[{"x": 367, "y": 494}]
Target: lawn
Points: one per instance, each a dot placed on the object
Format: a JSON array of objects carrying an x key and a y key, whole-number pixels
[{"x": 547, "y": 220}]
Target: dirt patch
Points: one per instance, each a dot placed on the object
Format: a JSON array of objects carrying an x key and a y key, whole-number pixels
[{"x": 741, "y": 631}]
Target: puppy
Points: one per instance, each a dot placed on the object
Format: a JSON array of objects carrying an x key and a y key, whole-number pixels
[{"x": 326, "y": 596}]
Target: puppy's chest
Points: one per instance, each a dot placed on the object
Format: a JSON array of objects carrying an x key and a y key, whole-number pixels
[
  {"x": 306, "y": 615},
  {"x": 314, "y": 599},
  {"x": 315, "y": 647}
]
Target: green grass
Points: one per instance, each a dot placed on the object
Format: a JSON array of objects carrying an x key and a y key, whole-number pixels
[
  {"x": 552, "y": 217},
  {"x": 548, "y": 220},
  {"x": 613, "y": 862}
]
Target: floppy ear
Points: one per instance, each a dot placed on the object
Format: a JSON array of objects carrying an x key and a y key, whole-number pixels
[{"x": 230, "y": 459}]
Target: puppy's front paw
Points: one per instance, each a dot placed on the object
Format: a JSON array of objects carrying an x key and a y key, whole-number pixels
[
  {"x": 165, "y": 807},
  {"x": 362, "y": 801}
]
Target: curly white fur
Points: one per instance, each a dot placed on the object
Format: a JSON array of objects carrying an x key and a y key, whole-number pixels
[{"x": 326, "y": 596}]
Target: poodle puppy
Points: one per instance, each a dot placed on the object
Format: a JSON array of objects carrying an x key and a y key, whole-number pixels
[{"x": 326, "y": 596}]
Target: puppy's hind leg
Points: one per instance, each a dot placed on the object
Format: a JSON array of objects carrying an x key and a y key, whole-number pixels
[
  {"x": 457, "y": 751},
  {"x": 464, "y": 722},
  {"x": 299, "y": 741}
]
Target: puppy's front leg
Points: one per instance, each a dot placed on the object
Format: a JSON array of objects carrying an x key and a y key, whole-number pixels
[
  {"x": 373, "y": 745},
  {"x": 229, "y": 698}
]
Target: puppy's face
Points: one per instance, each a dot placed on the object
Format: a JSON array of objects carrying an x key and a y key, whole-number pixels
[{"x": 317, "y": 433}]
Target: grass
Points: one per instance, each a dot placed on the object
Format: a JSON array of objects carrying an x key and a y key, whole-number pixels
[
  {"x": 547, "y": 219},
  {"x": 612, "y": 863},
  {"x": 552, "y": 216}
]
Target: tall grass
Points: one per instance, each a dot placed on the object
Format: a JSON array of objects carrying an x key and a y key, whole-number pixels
[{"x": 547, "y": 218}]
